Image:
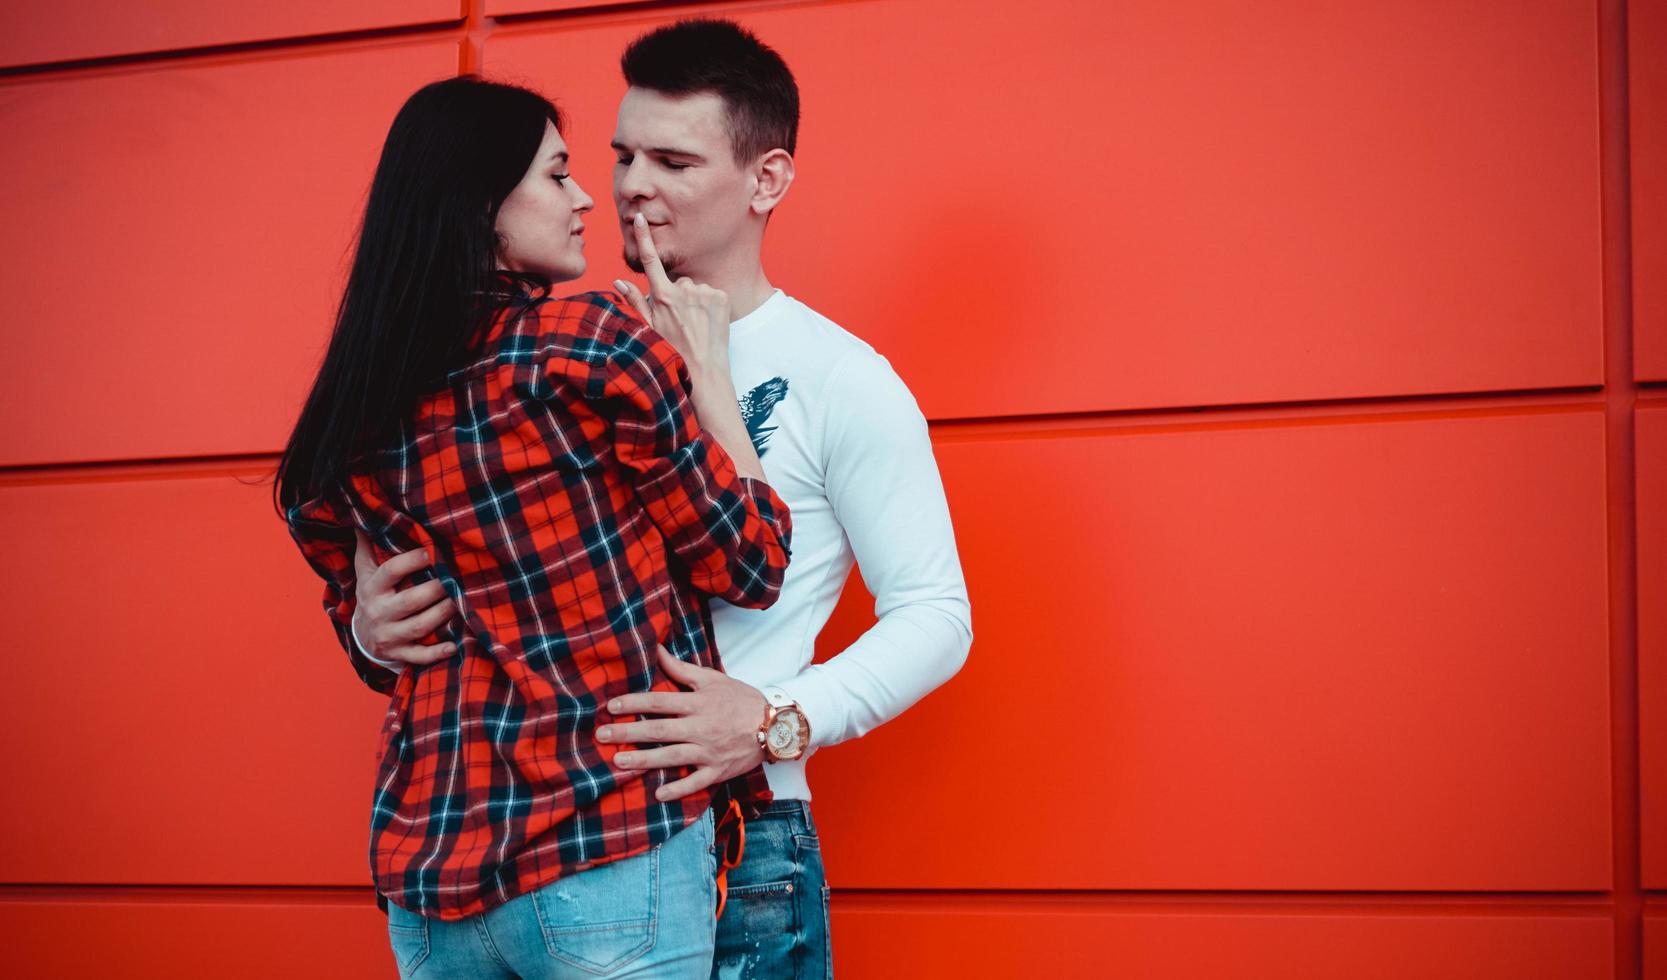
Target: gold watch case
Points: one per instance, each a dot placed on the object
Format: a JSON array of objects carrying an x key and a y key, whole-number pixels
[{"x": 785, "y": 734}]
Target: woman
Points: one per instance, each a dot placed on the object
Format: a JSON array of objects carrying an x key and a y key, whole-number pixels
[{"x": 546, "y": 456}]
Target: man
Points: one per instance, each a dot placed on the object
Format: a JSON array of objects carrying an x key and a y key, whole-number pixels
[{"x": 704, "y": 149}]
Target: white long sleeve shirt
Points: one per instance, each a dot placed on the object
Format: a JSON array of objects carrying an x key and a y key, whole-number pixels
[{"x": 845, "y": 446}]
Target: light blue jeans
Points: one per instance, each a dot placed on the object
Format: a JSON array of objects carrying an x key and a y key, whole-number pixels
[{"x": 652, "y": 915}]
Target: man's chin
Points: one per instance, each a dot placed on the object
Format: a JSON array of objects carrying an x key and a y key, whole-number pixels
[{"x": 668, "y": 262}]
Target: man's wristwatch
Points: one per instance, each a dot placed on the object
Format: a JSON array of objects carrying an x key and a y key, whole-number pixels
[{"x": 785, "y": 734}]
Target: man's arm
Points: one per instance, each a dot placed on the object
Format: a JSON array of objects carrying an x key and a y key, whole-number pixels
[
  {"x": 392, "y": 627},
  {"x": 883, "y": 482},
  {"x": 326, "y": 539}
]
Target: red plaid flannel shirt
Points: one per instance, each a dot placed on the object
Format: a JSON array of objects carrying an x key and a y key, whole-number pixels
[{"x": 572, "y": 507}]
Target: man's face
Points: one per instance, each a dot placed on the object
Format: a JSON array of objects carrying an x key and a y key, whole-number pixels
[{"x": 674, "y": 164}]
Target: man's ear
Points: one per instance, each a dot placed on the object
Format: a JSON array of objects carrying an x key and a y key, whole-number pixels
[{"x": 773, "y": 175}]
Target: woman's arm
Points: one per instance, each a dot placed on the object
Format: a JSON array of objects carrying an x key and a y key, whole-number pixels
[
  {"x": 694, "y": 318},
  {"x": 731, "y": 531}
]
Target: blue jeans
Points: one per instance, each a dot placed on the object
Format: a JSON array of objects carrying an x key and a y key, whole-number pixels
[
  {"x": 645, "y": 916},
  {"x": 775, "y": 921}
]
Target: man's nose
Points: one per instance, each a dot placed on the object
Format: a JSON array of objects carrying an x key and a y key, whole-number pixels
[{"x": 631, "y": 182}]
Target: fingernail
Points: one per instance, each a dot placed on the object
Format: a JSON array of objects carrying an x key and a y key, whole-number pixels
[
  {"x": 613, "y": 706},
  {"x": 622, "y": 759},
  {"x": 619, "y": 284},
  {"x": 603, "y": 735},
  {"x": 639, "y": 219}
]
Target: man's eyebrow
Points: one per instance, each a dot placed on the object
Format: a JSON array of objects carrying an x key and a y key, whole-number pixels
[{"x": 665, "y": 151}]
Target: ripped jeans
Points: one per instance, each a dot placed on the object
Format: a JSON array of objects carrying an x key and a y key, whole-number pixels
[{"x": 775, "y": 921}]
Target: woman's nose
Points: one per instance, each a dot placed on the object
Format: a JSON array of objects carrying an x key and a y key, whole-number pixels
[{"x": 581, "y": 201}]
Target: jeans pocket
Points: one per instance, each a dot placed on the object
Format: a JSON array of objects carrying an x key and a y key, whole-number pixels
[
  {"x": 603, "y": 918},
  {"x": 767, "y": 912},
  {"x": 408, "y": 935}
]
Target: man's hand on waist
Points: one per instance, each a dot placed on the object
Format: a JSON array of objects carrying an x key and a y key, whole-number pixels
[
  {"x": 713, "y": 727},
  {"x": 394, "y": 625}
]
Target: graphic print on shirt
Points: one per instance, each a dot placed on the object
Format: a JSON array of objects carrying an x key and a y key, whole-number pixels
[{"x": 756, "y": 408}]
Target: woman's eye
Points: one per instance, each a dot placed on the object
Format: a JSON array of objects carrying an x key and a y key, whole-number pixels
[{"x": 561, "y": 177}]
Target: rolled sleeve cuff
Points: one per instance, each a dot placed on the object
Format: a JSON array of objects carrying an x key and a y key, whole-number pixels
[
  {"x": 391, "y": 665},
  {"x": 771, "y": 509}
]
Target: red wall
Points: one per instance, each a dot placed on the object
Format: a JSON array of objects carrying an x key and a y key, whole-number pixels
[{"x": 1298, "y": 374}]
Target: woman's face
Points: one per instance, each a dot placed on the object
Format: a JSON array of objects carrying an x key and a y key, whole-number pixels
[{"x": 540, "y": 229}]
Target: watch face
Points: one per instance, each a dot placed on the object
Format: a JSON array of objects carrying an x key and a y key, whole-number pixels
[{"x": 782, "y": 736}]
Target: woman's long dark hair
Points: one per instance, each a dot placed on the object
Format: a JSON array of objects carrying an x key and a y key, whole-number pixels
[{"x": 423, "y": 272}]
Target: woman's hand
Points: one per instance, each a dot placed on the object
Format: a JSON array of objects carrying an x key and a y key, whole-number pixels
[{"x": 694, "y": 317}]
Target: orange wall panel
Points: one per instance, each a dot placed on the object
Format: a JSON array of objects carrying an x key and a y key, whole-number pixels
[
  {"x": 1647, "y": 101},
  {"x": 35, "y": 32},
  {"x": 191, "y": 717},
  {"x": 1062, "y": 940},
  {"x": 1063, "y": 207},
  {"x": 179, "y": 237},
  {"x": 194, "y": 936},
  {"x": 258, "y": 937},
  {"x": 1652, "y": 637},
  {"x": 1655, "y": 944},
  {"x": 499, "y": 8},
  {"x": 1275, "y": 640},
  {"x": 1360, "y": 653}
]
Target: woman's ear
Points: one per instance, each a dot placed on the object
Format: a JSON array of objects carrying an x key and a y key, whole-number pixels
[{"x": 773, "y": 175}]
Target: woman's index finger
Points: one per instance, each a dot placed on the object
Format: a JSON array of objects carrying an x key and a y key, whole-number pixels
[{"x": 650, "y": 256}]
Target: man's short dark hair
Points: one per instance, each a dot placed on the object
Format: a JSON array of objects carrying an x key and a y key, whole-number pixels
[{"x": 721, "y": 56}]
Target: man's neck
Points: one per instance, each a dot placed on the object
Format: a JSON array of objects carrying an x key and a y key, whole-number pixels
[
  {"x": 743, "y": 280},
  {"x": 748, "y": 295}
]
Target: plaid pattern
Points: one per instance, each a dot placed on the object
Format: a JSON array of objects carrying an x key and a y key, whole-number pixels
[{"x": 572, "y": 507}]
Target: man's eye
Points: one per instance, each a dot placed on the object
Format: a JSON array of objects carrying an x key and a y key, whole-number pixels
[
  {"x": 623, "y": 161},
  {"x": 676, "y": 166}
]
